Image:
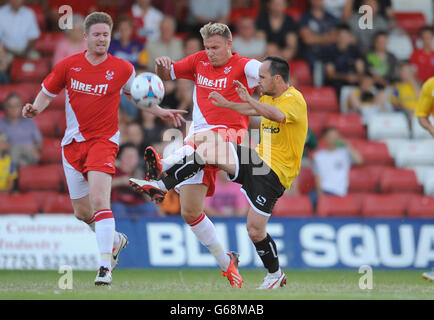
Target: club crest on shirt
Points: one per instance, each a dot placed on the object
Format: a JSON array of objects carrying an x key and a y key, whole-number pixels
[
  {"x": 109, "y": 74},
  {"x": 77, "y": 69},
  {"x": 228, "y": 69}
]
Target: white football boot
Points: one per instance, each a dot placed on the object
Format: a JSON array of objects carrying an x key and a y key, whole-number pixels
[
  {"x": 103, "y": 277},
  {"x": 428, "y": 276},
  {"x": 273, "y": 281},
  {"x": 116, "y": 250}
]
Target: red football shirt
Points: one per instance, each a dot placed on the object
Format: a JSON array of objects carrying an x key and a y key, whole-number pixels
[
  {"x": 92, "y": 95},
  {"x": 207, "y": 78},
  {"x": 424, "y": 63}
]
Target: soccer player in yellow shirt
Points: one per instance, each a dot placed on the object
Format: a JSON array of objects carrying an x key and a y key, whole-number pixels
[
  {"x": 264, "y": 173},
  {"x": 424, "y": 109},
  {"x": 425, "y": 106}
]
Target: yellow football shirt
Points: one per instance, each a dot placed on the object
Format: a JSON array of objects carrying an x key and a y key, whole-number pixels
[
  {"x": 425, "y": 106},
  {"x": 7, "y": 171},
  {"x": 282, "y": 144}
]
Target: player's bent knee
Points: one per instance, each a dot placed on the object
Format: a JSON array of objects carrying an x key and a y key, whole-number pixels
[
  {"x": 255, "y": 233},
  {"x": 190, "y": 214}
]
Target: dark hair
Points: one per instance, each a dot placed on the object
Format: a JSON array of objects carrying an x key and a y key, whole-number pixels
[
  {"x": 379, "y": 34},
  {"x": 278, "y": 66},
  {"x": 11, "y": 96},
  {"x": 326, "y": 130},
  {"x": 343, "y": 26},
  {"x": 125, "y": 146},
  {"x": 425, "y": 28}
]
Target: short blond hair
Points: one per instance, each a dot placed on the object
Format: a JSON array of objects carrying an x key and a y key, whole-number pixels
[
  {"x": 97, "y": 17},
  {"x": 215, "y": 28}
]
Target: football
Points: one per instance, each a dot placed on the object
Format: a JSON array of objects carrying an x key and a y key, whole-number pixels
[{"x": 147, "y": 89}]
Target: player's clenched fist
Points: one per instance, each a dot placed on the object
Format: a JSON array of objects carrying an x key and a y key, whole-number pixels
[
  {"x": 29, "y": 111},
  {"x": 164, "y": 62}
]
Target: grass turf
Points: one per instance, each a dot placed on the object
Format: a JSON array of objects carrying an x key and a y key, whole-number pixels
[{"x": 209, "y": 284}]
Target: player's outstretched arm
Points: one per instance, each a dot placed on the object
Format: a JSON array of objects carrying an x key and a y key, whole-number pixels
[
  {"x": 41, "y": 102},
  {"x": 270, "y": 112},
  {"x": 426, "y": 124},
  {"x": 244, "y": 108}
]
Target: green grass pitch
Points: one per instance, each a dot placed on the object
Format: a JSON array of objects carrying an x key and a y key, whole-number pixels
[{"x": 209, "y": 284}]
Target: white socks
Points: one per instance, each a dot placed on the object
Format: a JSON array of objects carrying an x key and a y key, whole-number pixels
[
  {"x": 177, "y": 156},
  {"x": 205, "y": 231},
  {"x": 105, "y": 235}
]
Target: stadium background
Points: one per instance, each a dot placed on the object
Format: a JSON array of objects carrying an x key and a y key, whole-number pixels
[{"x": 386, "y": 220}]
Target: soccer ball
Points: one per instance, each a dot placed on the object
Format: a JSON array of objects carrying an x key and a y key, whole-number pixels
[{"x": 147, "y": 89}]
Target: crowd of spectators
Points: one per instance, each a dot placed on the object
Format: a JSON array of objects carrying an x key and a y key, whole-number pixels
[{"x": 381, "y": 67}]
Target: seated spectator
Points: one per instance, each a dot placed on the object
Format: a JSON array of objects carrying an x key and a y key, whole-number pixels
[
  {"x": 18, "y": 30},
  {"x": 423, "y": 58},
  {"x": 147, "y": 21},
  {"x": 275, "y": 26},
  {"x": 203, "y": 11},
  {"x": 366, "y": 36},
  {"x": 123, "y": 46},
  {"x": 3, "y": 65},
  {"x": 151, "y": 126},
  {"x": 384, "y": 8},
  {"x": 192, "y": 44},
  {"x": 406, "y": 90},
  {"x": 23, "y": 135},
  {"x": 125, "y": 201},
  {"x": 8, "y": 171},
  {"x": 367, "y": 100},
  {"x": 74, "y": 41},
  {"x": 245, "y": 42},
  {"x": 134, "y": 135},
  {"x": 399, "y": 42},
  {"x": 317, "y": 32},
  {"x": 180, "y": 95},
  {"x": 345, "y": 66},
  {"x": 166, "y": 45},
  {"x": 331, "y": 166},
  {"x": 381, "y": 64},
  {"x": 227, "y": 200}
]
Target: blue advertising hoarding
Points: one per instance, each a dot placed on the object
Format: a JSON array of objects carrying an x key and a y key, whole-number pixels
[{"x": 302, "y": 243}]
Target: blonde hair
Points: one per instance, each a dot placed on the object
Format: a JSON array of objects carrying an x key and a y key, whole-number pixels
[
  {"x": 97, "y": 17},
  {"x": 215, "y": 28}
]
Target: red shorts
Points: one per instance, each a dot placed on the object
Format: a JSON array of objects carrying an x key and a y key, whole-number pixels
[
  {"x": 210, "y": 171},
  {"x": 92, "y": 155}
]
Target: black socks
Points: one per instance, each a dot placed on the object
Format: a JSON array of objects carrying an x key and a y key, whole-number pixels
[{"x": 267, "y": 251}]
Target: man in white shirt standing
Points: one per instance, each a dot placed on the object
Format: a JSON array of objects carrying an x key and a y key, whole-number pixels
[
  {"x": 332, "y": 165},
  {"x": 18, "y": 30}
]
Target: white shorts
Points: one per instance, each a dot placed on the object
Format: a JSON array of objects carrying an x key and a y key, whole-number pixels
[{"x": 77, "y": 185}]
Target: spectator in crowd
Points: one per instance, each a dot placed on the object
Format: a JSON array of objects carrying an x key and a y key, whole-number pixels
[
  {"x": 166, "y": 45},
  {"x": 331, "y": 166},
  {"x": 18, "y": 30},
  {"x": 203, "y": 11},
  {"x": 23, "y": 135},
  {"x": 3, "y": 65},
  {"x": 381, "y": 64},
  {"x": 180, "y": 95},
  {"x": 318, "y": 33},
  {"x": 423, "y": 58},
  {"x": 406, "y": 90},
  {"x": 125, "y": 47},
  {"x": 152, "y": 128},
  {"x": 147, "y": 21},
  {"x": 8, "y": 171},
  {"x": 365, "y": 37},
  {"x": 399, "y": 42},
  {"x": 275, "y": 26},
  {"x": 125, "y": 201},
  {"x": 336, "y": 8},
  {"x": 367, "y": 100},
  {"x": 192, "y": 44},
  {"x": 227, "y": 200},
  {"x": 384, "y": 8},
  {"x": 246, "y": 43},
  {"x": 345, "y": 65},
  {"x": 74, "y": 41},
  {"x": 134, "y": 135}
]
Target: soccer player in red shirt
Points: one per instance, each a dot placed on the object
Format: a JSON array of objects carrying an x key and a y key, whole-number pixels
[
  {"x": 93, "y": 81},
  {"x": 213, "y": 71},
  {"x": 423, "y": 59}
]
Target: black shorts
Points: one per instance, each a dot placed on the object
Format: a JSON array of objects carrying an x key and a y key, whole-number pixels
[{"x": 259, "y": 183}]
